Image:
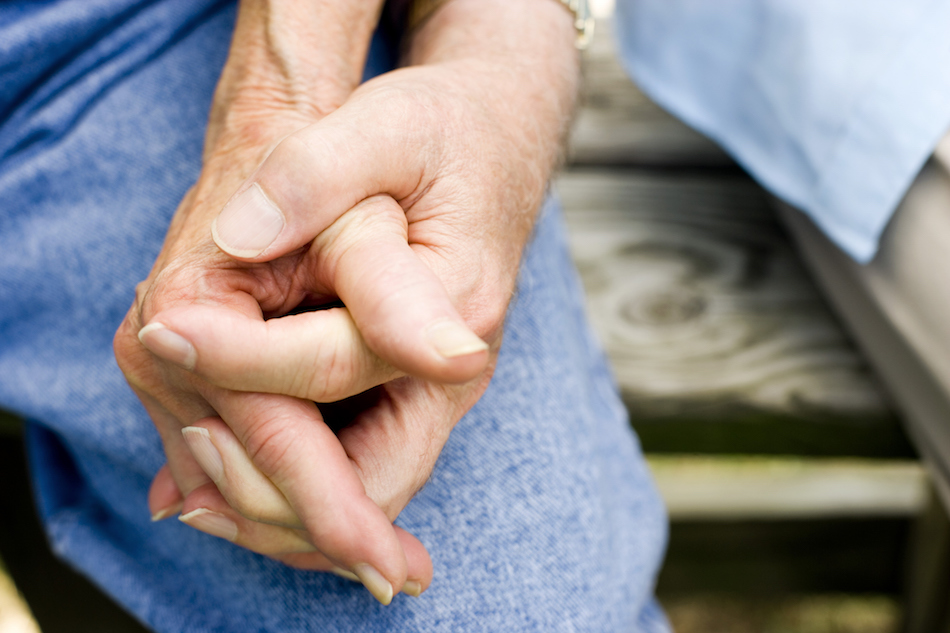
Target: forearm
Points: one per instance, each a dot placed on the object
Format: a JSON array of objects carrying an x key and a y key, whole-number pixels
[
  {"x": 527, "y": 49},
  {"x": 300, "y": 58},
  {"x": 291, "y": 63}
]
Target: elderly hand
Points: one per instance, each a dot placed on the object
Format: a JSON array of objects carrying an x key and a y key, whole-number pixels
[
  {"x": 316, "y": 484},
  {"x": 465, "y": 142}
]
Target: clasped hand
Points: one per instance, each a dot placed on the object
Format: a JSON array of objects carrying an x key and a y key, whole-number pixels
[{"x": 411, "y": 204}]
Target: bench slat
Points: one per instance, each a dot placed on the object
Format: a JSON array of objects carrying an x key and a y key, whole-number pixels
[
  {"x": 708, "y": 316},
  {"x": 737, "y": 489}
]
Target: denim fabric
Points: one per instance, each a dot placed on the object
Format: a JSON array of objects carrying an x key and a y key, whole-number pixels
[
  {"x": 833, "y": 105},
  {"x": 540, "y": 515}
]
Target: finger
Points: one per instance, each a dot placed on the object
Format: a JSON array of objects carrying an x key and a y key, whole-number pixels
[
  {"x": 418, "y": 577},
  {"x": 247, "y": 489},
  {"x": 288, "y": 441},
  {"x": 184, "y": 471},
  {"x": 319, "y": 355},
  {"x": 398, "y": 303},
  {"x": 315, "y": 175},
  {"x": 400, "y": 306},
  {"x": 395, "y": 444},
  {"x": 206, "y": 509},
  {"x": 164, "y": 498}
]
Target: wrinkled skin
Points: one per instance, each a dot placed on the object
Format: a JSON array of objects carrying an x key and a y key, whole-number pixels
[{"x": 411, "y": 199}]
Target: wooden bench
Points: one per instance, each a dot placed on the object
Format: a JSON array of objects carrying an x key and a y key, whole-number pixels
[
  {"x": 757, "y": 412},
  {"x": 699, "y": 297}
]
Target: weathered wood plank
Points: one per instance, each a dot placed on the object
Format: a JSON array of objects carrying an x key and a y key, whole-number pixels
[
  {"x": 617, "y": 124},
  {"x": 698, "y": 296},
  {"x": 927, "y": 582},
  {"x": 754, "y": 488},
  {"x": 810, "y": 613},
  {"x": 707, "y": 314}
]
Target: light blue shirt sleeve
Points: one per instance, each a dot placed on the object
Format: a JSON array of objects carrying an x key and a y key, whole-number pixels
[{"x": 833, "y": 105}]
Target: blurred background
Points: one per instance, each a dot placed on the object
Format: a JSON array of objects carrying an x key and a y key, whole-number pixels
[{"x": 797, "y": 501}]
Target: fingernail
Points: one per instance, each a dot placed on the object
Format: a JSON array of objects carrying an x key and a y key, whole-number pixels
[
  {"x": 166, "y": 344},
  {"x": 200, "y": 444},
  {"x": 167, "y": 511},
  {"x": 211, "y": 522},
  {"x": 413, "y": 588},
  {"x": 375, "y": 583},
  {"x": 342, "y": 573},
  {"x": 452, "y": 339},
  {"x": 248, "y": 224}
]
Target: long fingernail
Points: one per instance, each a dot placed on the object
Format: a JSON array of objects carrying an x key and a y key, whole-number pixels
[
  {"x": 452, "y": 339},
  {"x": 166, "y": 344},
  {"x": 211, "y": 522},
  {"x": 413, "y": 588},
  {"x": 200, "y": 444},
  {"x": 375, "y": 583},
  {"x": 167, "y": 511},
  {"x": 248, "y": 224},
  {"x": 342, "y": 573}
]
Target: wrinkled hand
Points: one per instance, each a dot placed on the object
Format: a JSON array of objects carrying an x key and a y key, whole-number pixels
[
  {"x": 466, "y": 149},
  {"x": 286, "y": 437},
  {"x": 345, "y": 526}
]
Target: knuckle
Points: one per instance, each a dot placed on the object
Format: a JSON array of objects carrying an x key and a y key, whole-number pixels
[
  {"x": 243, "y": 504},
  {"x": 339, "y": 369},
  {"x": 296, "y": 149},
  {"x": 487, "y": 315},
  {"x": 324, "y": 377},
  {"x": 122, "y": 342},
  {"x": 378, "y": 216},
  {"x": 130, "y": 355},
  {"x": 270, "y": 443},
  {"x": 249, "y": 507}
]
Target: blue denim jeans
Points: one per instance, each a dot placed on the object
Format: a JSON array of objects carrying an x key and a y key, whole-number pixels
[{"x": 540, "y": 514}]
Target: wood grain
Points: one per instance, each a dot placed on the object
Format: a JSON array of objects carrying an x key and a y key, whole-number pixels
[
  {"x": 707, "y": 314},
  {"x": 755, "y": 489},
  {"x": 698, "y": 296},
  {"x": 720, "y": 341}
]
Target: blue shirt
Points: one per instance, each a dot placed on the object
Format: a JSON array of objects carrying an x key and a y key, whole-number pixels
[{"x": 833, "y": 105}]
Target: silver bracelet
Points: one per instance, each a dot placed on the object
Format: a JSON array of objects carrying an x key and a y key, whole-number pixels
[{"x": 583, "y": 22}]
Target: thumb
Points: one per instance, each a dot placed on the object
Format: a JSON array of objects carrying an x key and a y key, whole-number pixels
[{"x": 314, "y": 176}]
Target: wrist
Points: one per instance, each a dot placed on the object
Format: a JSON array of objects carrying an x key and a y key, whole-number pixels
[
  {"x": 298, "y": 57},
  {"x": 519, "y": 57}
]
